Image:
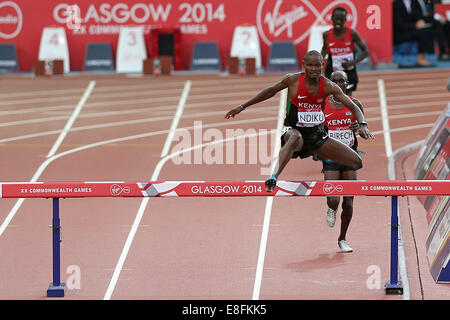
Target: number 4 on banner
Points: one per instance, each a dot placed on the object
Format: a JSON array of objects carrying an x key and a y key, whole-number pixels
[
  {"x": 54, "y": 40},
  {"x": 53, "y": 46}
]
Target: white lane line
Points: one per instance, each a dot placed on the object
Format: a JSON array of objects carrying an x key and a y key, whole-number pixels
[
  {"x": 117, "y": 102},
  {"x": 408, "y": 128},
  {"x": 103, "y": 88},
  {"x": 149, "y": 134},
  {"x": 144, "y": 203},
  {"x": 72, "y": 118},
  {"x": 410, "y": 107},
  {"x": 269, "y": 202},
  {"x": 213, "y": 113},
  {"x": 150, "y": 91},
  {"x": 176, "y": 118},
  {"x": 32, "y": 121},
  {"x": 418, "y": 97},
  {"x": 116, "y": 140},
  {"x": 117, "y": 123},
  {"x": 384, "y": 117},
  {"x": 131, "y": 122},
  {"x": 41, "y": 168}
]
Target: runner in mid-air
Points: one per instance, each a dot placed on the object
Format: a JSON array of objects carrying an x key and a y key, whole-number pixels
[{"x": 304, "y": 132}]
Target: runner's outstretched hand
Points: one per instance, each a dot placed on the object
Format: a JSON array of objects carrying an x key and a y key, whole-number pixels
[{"x": 233, "y": 112}]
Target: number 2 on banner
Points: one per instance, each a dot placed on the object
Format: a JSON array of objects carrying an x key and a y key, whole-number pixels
[{"x": 246, "y": 37}]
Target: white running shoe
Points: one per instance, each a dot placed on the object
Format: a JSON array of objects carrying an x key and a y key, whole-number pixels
[
  {"x": 344, "y": 246},
  {"x": 331, "y": 217}
]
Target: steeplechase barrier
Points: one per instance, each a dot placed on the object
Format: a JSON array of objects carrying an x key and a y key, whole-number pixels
[{"x": 57, "y": 190}]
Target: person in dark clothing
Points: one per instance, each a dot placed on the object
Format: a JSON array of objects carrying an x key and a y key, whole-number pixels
[
  {"x": 410, "y": 25},
  {"x": 440, "y": 25}
]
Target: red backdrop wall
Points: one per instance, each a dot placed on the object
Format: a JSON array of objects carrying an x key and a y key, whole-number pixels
[{"x": 21, "y": 22}]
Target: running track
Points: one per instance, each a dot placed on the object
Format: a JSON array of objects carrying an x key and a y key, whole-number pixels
[{"x": 115, "y": 128}]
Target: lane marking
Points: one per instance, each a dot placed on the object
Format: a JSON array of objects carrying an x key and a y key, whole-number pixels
[
  {"x": 143, "y": 206},
  {"x": 130, "y": 93},
  {"x": 72, "y": 118},
  {"x": 145, "y": 201},
  {"x": 128, "y": 122},
  {"x": 384, "y": 117},
  {"x": 408, "y": 106},
  {"x": 43, "y": 165},
  {"x": 269, "y": 202},
  {"x": 168, "y": 117},
  {"x": 417, "y": 97},
  {"x": 78, "y": 150},
  {"x": 176, "y": 118}
]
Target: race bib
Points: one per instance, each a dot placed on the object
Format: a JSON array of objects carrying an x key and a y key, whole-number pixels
[
  {"x": 345, "y": 136},
  {"x": 337, "y": 61},
  {"x": 310, "y": 119}
]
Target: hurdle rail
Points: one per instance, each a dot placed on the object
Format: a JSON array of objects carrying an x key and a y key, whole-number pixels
[{"x": 57, "y": 190}]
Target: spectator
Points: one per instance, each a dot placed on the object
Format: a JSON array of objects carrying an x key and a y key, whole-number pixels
[
  {"x": 410, "y": 25},
  {"x": 441, "y": 27}
]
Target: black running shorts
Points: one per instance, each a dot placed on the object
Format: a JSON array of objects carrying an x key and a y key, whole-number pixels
[
  {"x": 313, "y": 139},
  {"x": 330, "y": 165}
]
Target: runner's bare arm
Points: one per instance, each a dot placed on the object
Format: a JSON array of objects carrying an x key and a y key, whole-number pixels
[
  {"x": 325, "y": 44},
  {"x": 354, "y": 125},
  {"x": 324, "y": 52},
  {"x": 362, "y": 45},
  {"x": 364, "y": 51},
  {"x": 265, "y": 94}
]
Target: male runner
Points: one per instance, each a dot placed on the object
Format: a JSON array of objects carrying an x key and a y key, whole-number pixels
[
  {"x": 304, "y": 132},
  {"x": 339, "y": 46},
  {"x": 341, "y": 126}
]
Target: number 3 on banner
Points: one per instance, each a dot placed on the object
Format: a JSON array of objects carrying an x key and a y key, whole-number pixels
[{"x": 132, "y": 38}]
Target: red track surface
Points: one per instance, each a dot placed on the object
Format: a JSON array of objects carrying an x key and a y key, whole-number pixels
[{"x": 199, "y": 248}]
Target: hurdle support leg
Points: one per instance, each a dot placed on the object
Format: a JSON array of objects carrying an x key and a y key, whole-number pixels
[
  {"x": 56, "y": 288},
  {"x": 394, "y": 286}
]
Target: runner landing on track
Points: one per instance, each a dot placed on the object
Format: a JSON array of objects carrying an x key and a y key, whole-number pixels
[
  {"x": 341, "y": 125},
  {"x": 304, "y": 132}
]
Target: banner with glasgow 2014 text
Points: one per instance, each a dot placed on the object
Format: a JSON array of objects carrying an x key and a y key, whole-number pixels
[{"x": 85, "y": 21}]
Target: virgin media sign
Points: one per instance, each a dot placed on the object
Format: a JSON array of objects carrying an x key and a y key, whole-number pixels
[{"x": 10, "y": 20}]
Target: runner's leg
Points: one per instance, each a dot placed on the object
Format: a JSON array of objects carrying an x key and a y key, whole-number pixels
[
  {"x": 293, "y": 143},
  {"x": 347, "y": 206},
  {"x": 332, "y": 201},
  {"x": 340, "y": 153}
]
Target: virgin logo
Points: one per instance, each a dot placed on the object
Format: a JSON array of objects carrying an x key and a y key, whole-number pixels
[
  {"x": 329, "y": 188},
  {"x": 10, "y": 20},
  {"x": 116, "y": 190},
  {"x": 291, "y": 20}
]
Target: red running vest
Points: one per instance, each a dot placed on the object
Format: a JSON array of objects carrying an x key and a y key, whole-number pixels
[
  {"x": 340, "y": 49},
  {"x": 305, "y": 109},
  {"x": 338, "y": 122}
]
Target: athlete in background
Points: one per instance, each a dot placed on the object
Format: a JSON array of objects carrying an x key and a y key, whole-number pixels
[{"x": 339, "y": 46}]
